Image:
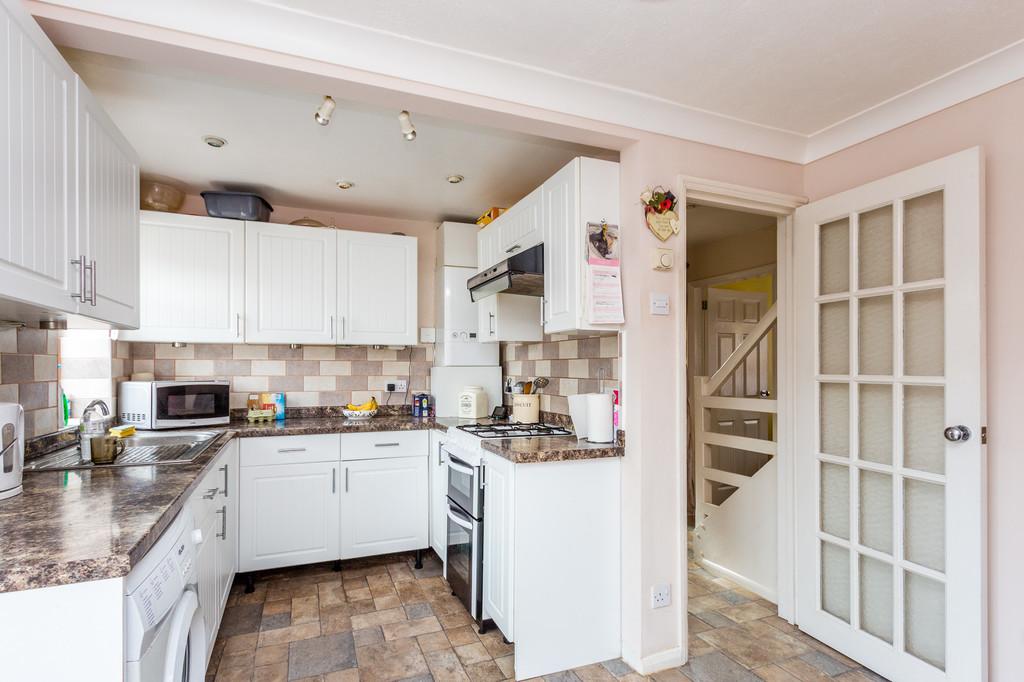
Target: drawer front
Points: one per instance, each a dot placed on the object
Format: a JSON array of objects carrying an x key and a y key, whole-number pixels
[
  {"x": 263, "y": 451},
  {"x": 384, "y": 444}
]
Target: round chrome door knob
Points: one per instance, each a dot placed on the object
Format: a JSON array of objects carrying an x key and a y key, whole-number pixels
[{"x": 957, "y": 434}]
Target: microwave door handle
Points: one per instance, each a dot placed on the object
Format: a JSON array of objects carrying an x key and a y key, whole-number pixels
[{"x": 457, "y": 519}]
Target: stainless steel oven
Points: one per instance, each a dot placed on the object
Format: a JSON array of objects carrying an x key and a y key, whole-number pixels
[
  {"x": 173, "y": 404},
  {"x": 464, "y": 565}
]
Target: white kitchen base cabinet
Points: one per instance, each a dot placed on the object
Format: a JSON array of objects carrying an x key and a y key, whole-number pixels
[
  {"x": 438, "y": 468},
  {"x": 288, "y": 514},
  {"x": 544, "y": 515},
  {"x": 384, "y": 506},
  {"x": 192, "y": 285}
]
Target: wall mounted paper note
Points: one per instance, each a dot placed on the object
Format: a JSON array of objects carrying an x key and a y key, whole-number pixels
[
  {"x": 604, "y": 277},
  {"x": 603, "y": 242}
]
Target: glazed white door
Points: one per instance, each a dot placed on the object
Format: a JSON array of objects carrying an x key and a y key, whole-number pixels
[
  {"x": 377, "y": 285},
  {"x": 290, "y": 284},
  {"x": 192, "y": 280},
  {"x": 890, "y": 329},
  {"x": 384, "y": 506},
  {"x": 108, "y": 215}
]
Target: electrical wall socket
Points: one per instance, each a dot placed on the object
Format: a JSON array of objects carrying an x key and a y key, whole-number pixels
[
  {"x": 400, "y": 386},
  {"x": 661, "y": 596}
]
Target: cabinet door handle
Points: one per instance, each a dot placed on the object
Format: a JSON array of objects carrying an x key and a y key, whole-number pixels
[
  {"x": 92, "y": 294},
  {"x": 332, "y": 327},
  {"x": 543, "y": 310},
  {"x": 80, "y": 262},
  {"x": 225, "y": 470},
  {"x": 386, "y": 445},
  {"x": 223, "y": 511},
  {"x": 490, "y": 323},
  {"x": 282, "y": 450},
  {"x": 334, "y": 480},
  {"x": 346, "y": 479},
  {"x": 238, "y": 325},
  {"x": 513, "y": 248},
  {"x": 211, "y": 493},
  {"x": 342, "y": 337}
]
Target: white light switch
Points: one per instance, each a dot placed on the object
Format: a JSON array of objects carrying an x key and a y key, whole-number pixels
[{"x": 659, "y": 304}]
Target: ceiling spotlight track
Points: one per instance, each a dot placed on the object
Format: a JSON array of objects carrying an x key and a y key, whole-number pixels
[
  {"x": 408, "y": 129},
  {"x": 323, "y": 113}
]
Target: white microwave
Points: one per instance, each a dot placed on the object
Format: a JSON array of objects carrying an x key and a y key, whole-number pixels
[{"x": 173, "y": 404}]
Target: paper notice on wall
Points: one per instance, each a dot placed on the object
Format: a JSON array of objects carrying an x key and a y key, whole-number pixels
[{"x": 604, "y": 276}]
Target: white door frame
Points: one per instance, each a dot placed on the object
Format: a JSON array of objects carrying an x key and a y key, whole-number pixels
[{"x": 753, "y": 200}]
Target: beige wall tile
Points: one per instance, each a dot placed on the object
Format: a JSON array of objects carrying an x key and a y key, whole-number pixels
[
  {"x": 381, "y": 354},
  {"x": 568, "y": 349},
  {"x": 237, "y": 400},
  {"x": 336, "y": 367},
  {"x": 45, "y": 367},
  {"x": 579, "y": 369},
  {"x": 8, "y": 340},
  {"x": 301, "y": 399},
  {"x": 8, "y": 393},
  {"x": 249, "y": 352},
  {"x": 535, "y": 351},
  {"x": 164, "y": 351},
  {"x": 609, "y": 346},
  {"x": 318, "y": 353},
  {"x": 379, "y": 383},
  {"x": 319, "y": 383},
  {"x": 196, "y": 368},
  {"x": 249, "y": 384},
  {"x": 270, "y": 368},
  {"x": 398, "y": 368},
  {"x": 142, "y": 365}
]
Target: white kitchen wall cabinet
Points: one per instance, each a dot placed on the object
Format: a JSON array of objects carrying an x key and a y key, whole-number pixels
[
  {"x": 384, "y": 506},
  {"x": 377, "y": 284},
  {"x": 291, "y": 284},
  {"x": 488, "y": 246},
  {"x": 37, "y": 171},
  {"x": 192, "y": 279},
  {"x": 522, "y": 228},
  {"x": 499, "y": 542},
  {"x": 584, "y": 191},
  {"x": 510, "y": 317},
  {"x": 108, "y": 215},
  {"x": 288, "y": 514},
  {"x": 438, "y": 468}
]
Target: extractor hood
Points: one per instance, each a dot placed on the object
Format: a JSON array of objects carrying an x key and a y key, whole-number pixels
[{"x": 521, "y": 274}]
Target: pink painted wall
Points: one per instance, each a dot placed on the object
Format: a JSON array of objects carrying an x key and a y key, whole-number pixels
[
  {"x": 992, "y": 121},
  {"x": 423, "y": 230}
]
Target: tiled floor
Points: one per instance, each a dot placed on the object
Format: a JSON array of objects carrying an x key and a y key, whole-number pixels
[
  {"x": 381, "y": 619},
  {"x": 378, "y": 619}
]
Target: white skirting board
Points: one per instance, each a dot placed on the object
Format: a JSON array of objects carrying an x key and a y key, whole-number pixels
[
  {"x": 763, "y": 591},
  {"x": 663, "y": 660}
]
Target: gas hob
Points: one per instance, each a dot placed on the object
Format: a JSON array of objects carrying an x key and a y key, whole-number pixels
[{"x": 513, "y": 430}]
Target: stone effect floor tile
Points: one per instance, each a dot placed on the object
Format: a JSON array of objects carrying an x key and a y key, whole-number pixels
[{"x": 320, "y": 655}]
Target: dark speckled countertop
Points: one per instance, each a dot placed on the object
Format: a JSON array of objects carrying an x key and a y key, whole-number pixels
[{"x": 91, "y": 524}]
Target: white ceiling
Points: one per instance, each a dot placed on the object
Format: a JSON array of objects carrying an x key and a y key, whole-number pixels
[
  {"x": 797, "y": 65},
  {"x": 274, "y": 146},
  {"x": 709, "y": 224}
]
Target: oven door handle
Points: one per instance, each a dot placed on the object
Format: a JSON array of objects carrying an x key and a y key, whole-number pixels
[
  {"x": 460, "y": 466},
  {"x": 456, "y": 518}
]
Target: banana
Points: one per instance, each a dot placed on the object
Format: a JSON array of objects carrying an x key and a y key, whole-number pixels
[{"x": 368, "y": 406}]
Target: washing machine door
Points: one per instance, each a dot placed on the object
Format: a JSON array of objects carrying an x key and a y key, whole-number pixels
[{"x": 178, "y": 652}]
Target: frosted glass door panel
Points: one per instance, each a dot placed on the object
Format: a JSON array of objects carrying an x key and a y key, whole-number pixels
[
  {"x": 874, "y": 248},
  {"x": 924, "y": 448},
  {"x": 835, "y": 338},
  {"x": 876, "y": 510},
  {"x": 876, "y": 602},
  {"x": 835, "y": 257},
  {"x": 922, "y": 237},
  {"x": 835, "y": 580},
  {"x": 875, "y": 427},
  {"x": 835, "y": 419},
  {"x": 875, "y": 338},
  {"x": 835, "y": 500},
  {"x": 925, "y": 608}
]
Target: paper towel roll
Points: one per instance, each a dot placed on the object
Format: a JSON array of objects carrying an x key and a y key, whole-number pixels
[{"x": 599, "y": 418}]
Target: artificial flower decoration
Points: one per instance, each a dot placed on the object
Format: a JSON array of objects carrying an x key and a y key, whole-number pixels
[{"x": 660, "y": 211}]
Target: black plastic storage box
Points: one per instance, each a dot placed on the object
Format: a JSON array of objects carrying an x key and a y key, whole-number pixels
[{"x": 237, "y": 205}]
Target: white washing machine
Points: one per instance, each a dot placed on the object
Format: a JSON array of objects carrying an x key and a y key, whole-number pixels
[{"x": 165, "y": 636}]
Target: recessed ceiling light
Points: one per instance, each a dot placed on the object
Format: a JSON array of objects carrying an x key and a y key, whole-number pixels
[
  {"x": 345, "y": 184},
  {"x": 324, "y": 111},
  {"x": 214, "y": 141},
  {"x": 408, "y": 129},
  {"x": 455, "y": 179}
]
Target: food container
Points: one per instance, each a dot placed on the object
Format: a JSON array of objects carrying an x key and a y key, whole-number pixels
[
  {"x": 473, "y": 403},
  {"x": 159, "y": 196},
  {"x": 526, "y": 408},
  {"x": 237, "y": 205}
]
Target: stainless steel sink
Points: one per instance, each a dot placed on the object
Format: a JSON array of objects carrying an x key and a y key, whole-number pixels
[{"x": 141, "y": 449}]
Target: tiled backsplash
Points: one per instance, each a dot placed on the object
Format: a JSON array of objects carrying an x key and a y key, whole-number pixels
[
  {"x": 91, "y": 367},
  {"x": 587, "y": 362},
  {"x": 28, "y": 375},
  {"x": 308, "y": 376}
]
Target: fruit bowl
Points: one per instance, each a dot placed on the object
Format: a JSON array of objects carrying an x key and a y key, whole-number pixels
[{"x": 359, "y": 414}]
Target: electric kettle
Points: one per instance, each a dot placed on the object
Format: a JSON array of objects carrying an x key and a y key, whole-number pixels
[{"x": 12, "y": 449}]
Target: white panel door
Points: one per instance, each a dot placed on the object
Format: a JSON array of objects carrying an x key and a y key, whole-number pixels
[
  {"x": 384, "y": 506},
  {"x": 438, "y": 466},
  {"x": 290, "y": 284},
  {"x": 377, "y": 284},
  {"x": 227, "y": 518},
  {"x": 499, "y": 542},
  {"x": 890, "y": 353},
  {"x": 37, "y": 137},
  {"x": 288, "y": 515},
  {"x": 561, "y": 273},
  {"x": 521, "y": 227},
  {"x": 108, "y": 214},
  {"x": 192, "y": 279},
  {"x": 206, "y": 580}
]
